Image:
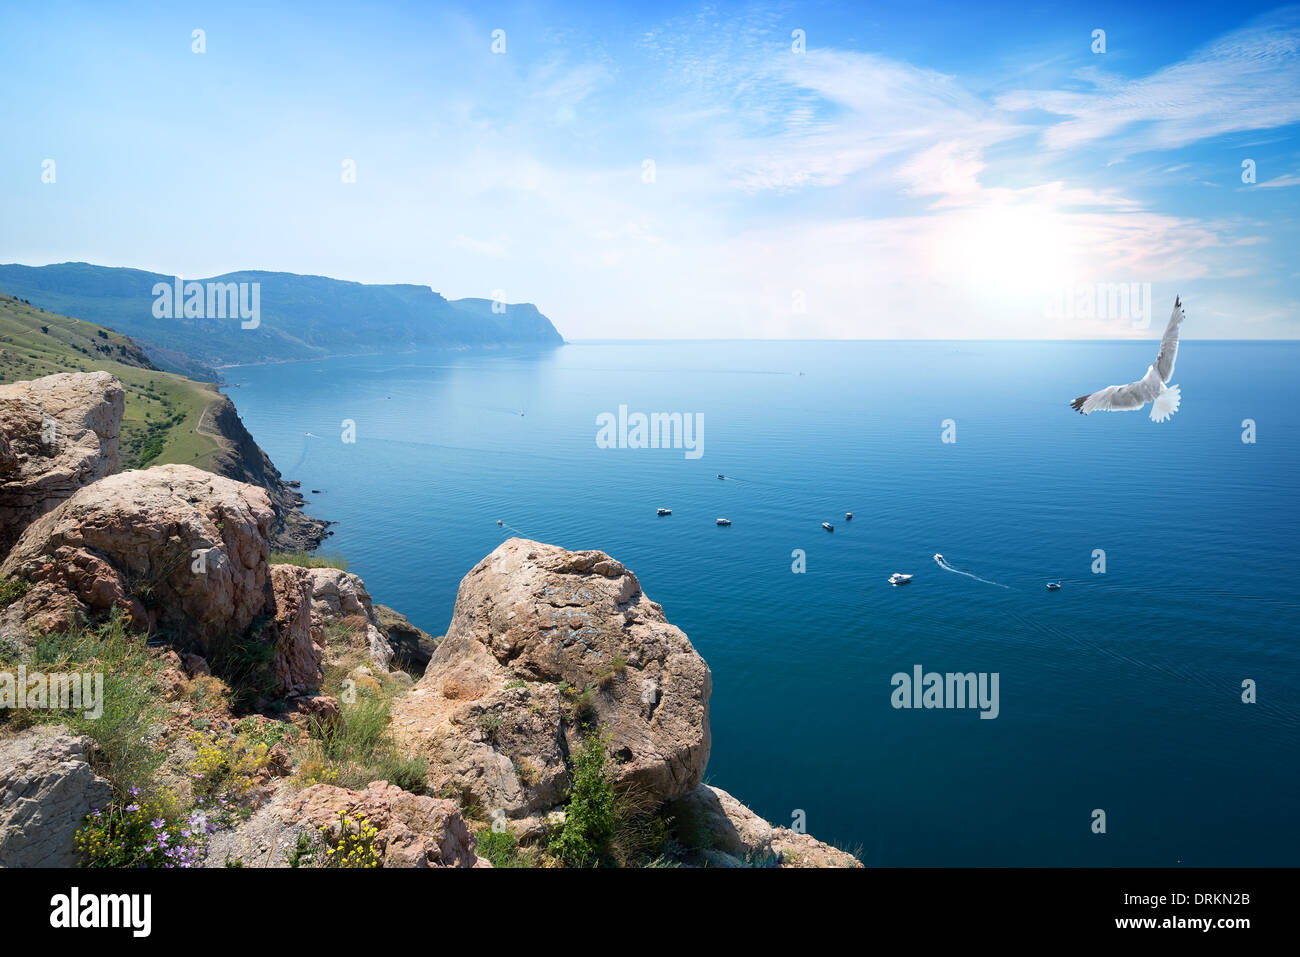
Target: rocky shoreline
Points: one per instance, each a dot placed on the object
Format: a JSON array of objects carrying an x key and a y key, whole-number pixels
[
  {"x": 245, "y": 461},
  {"x": 278, "y": 717}
]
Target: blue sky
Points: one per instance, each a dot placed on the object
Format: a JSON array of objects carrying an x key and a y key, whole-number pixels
[{"x": 918, "y": 170}]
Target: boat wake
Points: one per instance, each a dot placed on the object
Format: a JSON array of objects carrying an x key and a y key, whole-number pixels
[{"x": 942, "y": 563}]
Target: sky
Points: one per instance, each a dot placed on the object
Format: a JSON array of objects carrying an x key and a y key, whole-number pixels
[{"x": 678, "y": 170}]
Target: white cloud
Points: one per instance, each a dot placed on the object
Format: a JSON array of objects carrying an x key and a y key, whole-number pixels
[{"x": 1246, "y": 80}]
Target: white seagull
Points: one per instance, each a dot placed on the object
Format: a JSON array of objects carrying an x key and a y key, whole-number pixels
[{"x": 1152, "y": 387}]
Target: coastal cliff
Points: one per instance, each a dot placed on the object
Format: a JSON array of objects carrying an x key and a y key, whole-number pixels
[
  {"x": 242, "y": 459},
  {"x": 273, "y": 718},
  {"x": 160, "y": 418},
  {"x": 297, "y": 317}
]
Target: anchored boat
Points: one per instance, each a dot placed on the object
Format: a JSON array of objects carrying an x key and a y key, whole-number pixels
[
  {"x": 899, "y": 579},
  {"x": 828, "y": 526},
  {"x": 724, "y": 521},
  {"x": 663, "y": 511}
]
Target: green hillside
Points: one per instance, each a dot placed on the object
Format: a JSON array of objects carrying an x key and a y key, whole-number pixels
[
  {"x": 163, "y": 411},
  {"x": 300, "y": 317}
]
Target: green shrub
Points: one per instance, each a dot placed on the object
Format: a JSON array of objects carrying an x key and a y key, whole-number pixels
[
  {"x": 308, "y": 560},
  {"x": 590, "y": 820},
  {"x": 11, "y": 589},
  {"x": 244, "y": 664},
  {"x": 359, "y": 748},
  {"x": 499, "y": 847},
  {"x": 130, "y": 702}
]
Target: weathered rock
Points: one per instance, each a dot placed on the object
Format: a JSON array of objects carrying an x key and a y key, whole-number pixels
[
  {"x": 542, "y": 641},
  {"x": 413, "y": 830},
  {"x": 338, "y": 596},
  {"x": 804, "y": 850},
  {"x": 318, "y": 711},
  {"x": 412, "y": 646},
  {"x": 57, "y": 434},
  {"x": 183, "y": 551},
  {"x": 46, "y": 790},
  {"x": 718, "y": 821},
  {"x": 297, "y": 661}
]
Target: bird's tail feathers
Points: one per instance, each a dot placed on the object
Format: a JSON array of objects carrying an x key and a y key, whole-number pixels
[{"x": 1166, "y": 403}]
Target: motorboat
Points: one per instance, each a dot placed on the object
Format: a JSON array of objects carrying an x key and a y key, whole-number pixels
[
  {"x": 663, "y": 511},
  {"x": 721, "y": 476},
  {"x": 1053, "y": 586},
  {"x": 899, "y": 579},
  {"x": 848, "y": 516},
  {"x": 724, "y": 521},
  {"x": 828, "y": 526},
  {"x": 938, "y": 558}
]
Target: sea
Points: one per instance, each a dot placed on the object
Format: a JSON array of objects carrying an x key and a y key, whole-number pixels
[{"x": 1147, "y": 712}]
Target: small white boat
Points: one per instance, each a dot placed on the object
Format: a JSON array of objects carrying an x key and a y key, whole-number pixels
[
  {"x": 663, "y": 511},
  {"x": 848, "y": 516},
  {"x": 499, "y": 522},
  {"x": 1053, "y": 586},
  {"x": 899, "y": 579},
  {"x": 938, "y": 558},
  {"x": 724, "y": 521},
  {"x": 828, "y": 526}
]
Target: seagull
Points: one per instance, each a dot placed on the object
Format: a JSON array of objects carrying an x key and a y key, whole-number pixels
[{"x": 1152, "y": 387}]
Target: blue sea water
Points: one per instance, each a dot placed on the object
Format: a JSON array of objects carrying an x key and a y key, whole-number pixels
[{"x": 1121, "y": 692}]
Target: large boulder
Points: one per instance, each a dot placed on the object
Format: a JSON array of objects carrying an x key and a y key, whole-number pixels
[
  {"x": 183, "y": 551},
  {"x": 57, "y": 434},
  {"x": 544, "y": 644},
  {"x": 46, "y": 790},
  {"x": 411, "y": 830}
]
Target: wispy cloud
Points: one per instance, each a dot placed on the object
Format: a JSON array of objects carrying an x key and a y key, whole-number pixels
[
  {"x": 1288, "y": 179},
  {"x": 1246, "y": 80}
]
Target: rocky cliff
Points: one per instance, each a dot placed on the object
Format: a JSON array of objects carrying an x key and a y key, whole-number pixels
[
  {"x": 270, "y": 711},
  {"x": 57, "y": 434},
  {"x": 243, "y": 460}
]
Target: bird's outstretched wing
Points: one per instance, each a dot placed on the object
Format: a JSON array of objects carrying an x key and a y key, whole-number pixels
[
  {"x": 1164, "y": 364},
  {"x": 1117, "y": 398}
]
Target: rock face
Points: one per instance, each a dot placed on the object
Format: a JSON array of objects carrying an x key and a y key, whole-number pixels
[
  {"x": 242, "y": 460},
  {"x": 57, "y": 435},
  {"x": 46, "y": 790},
  {"x": 543, "y": 640},
  {"x": 414, "y": 831},
  {"x": 184, "y": 551},
  {"x": 804, "y": 850},
  {"x": 298, "y": 652},
  {"x": 412, "y": 646},
  {"x": 734, "y": 836},
  {"x": 725, "y": 824},
  {"x": 338, "y": 595}
]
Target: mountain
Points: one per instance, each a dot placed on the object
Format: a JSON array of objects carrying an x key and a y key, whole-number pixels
[
  {"x": 296, "y": 317},
  {"x": 168, "y": 418}
]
